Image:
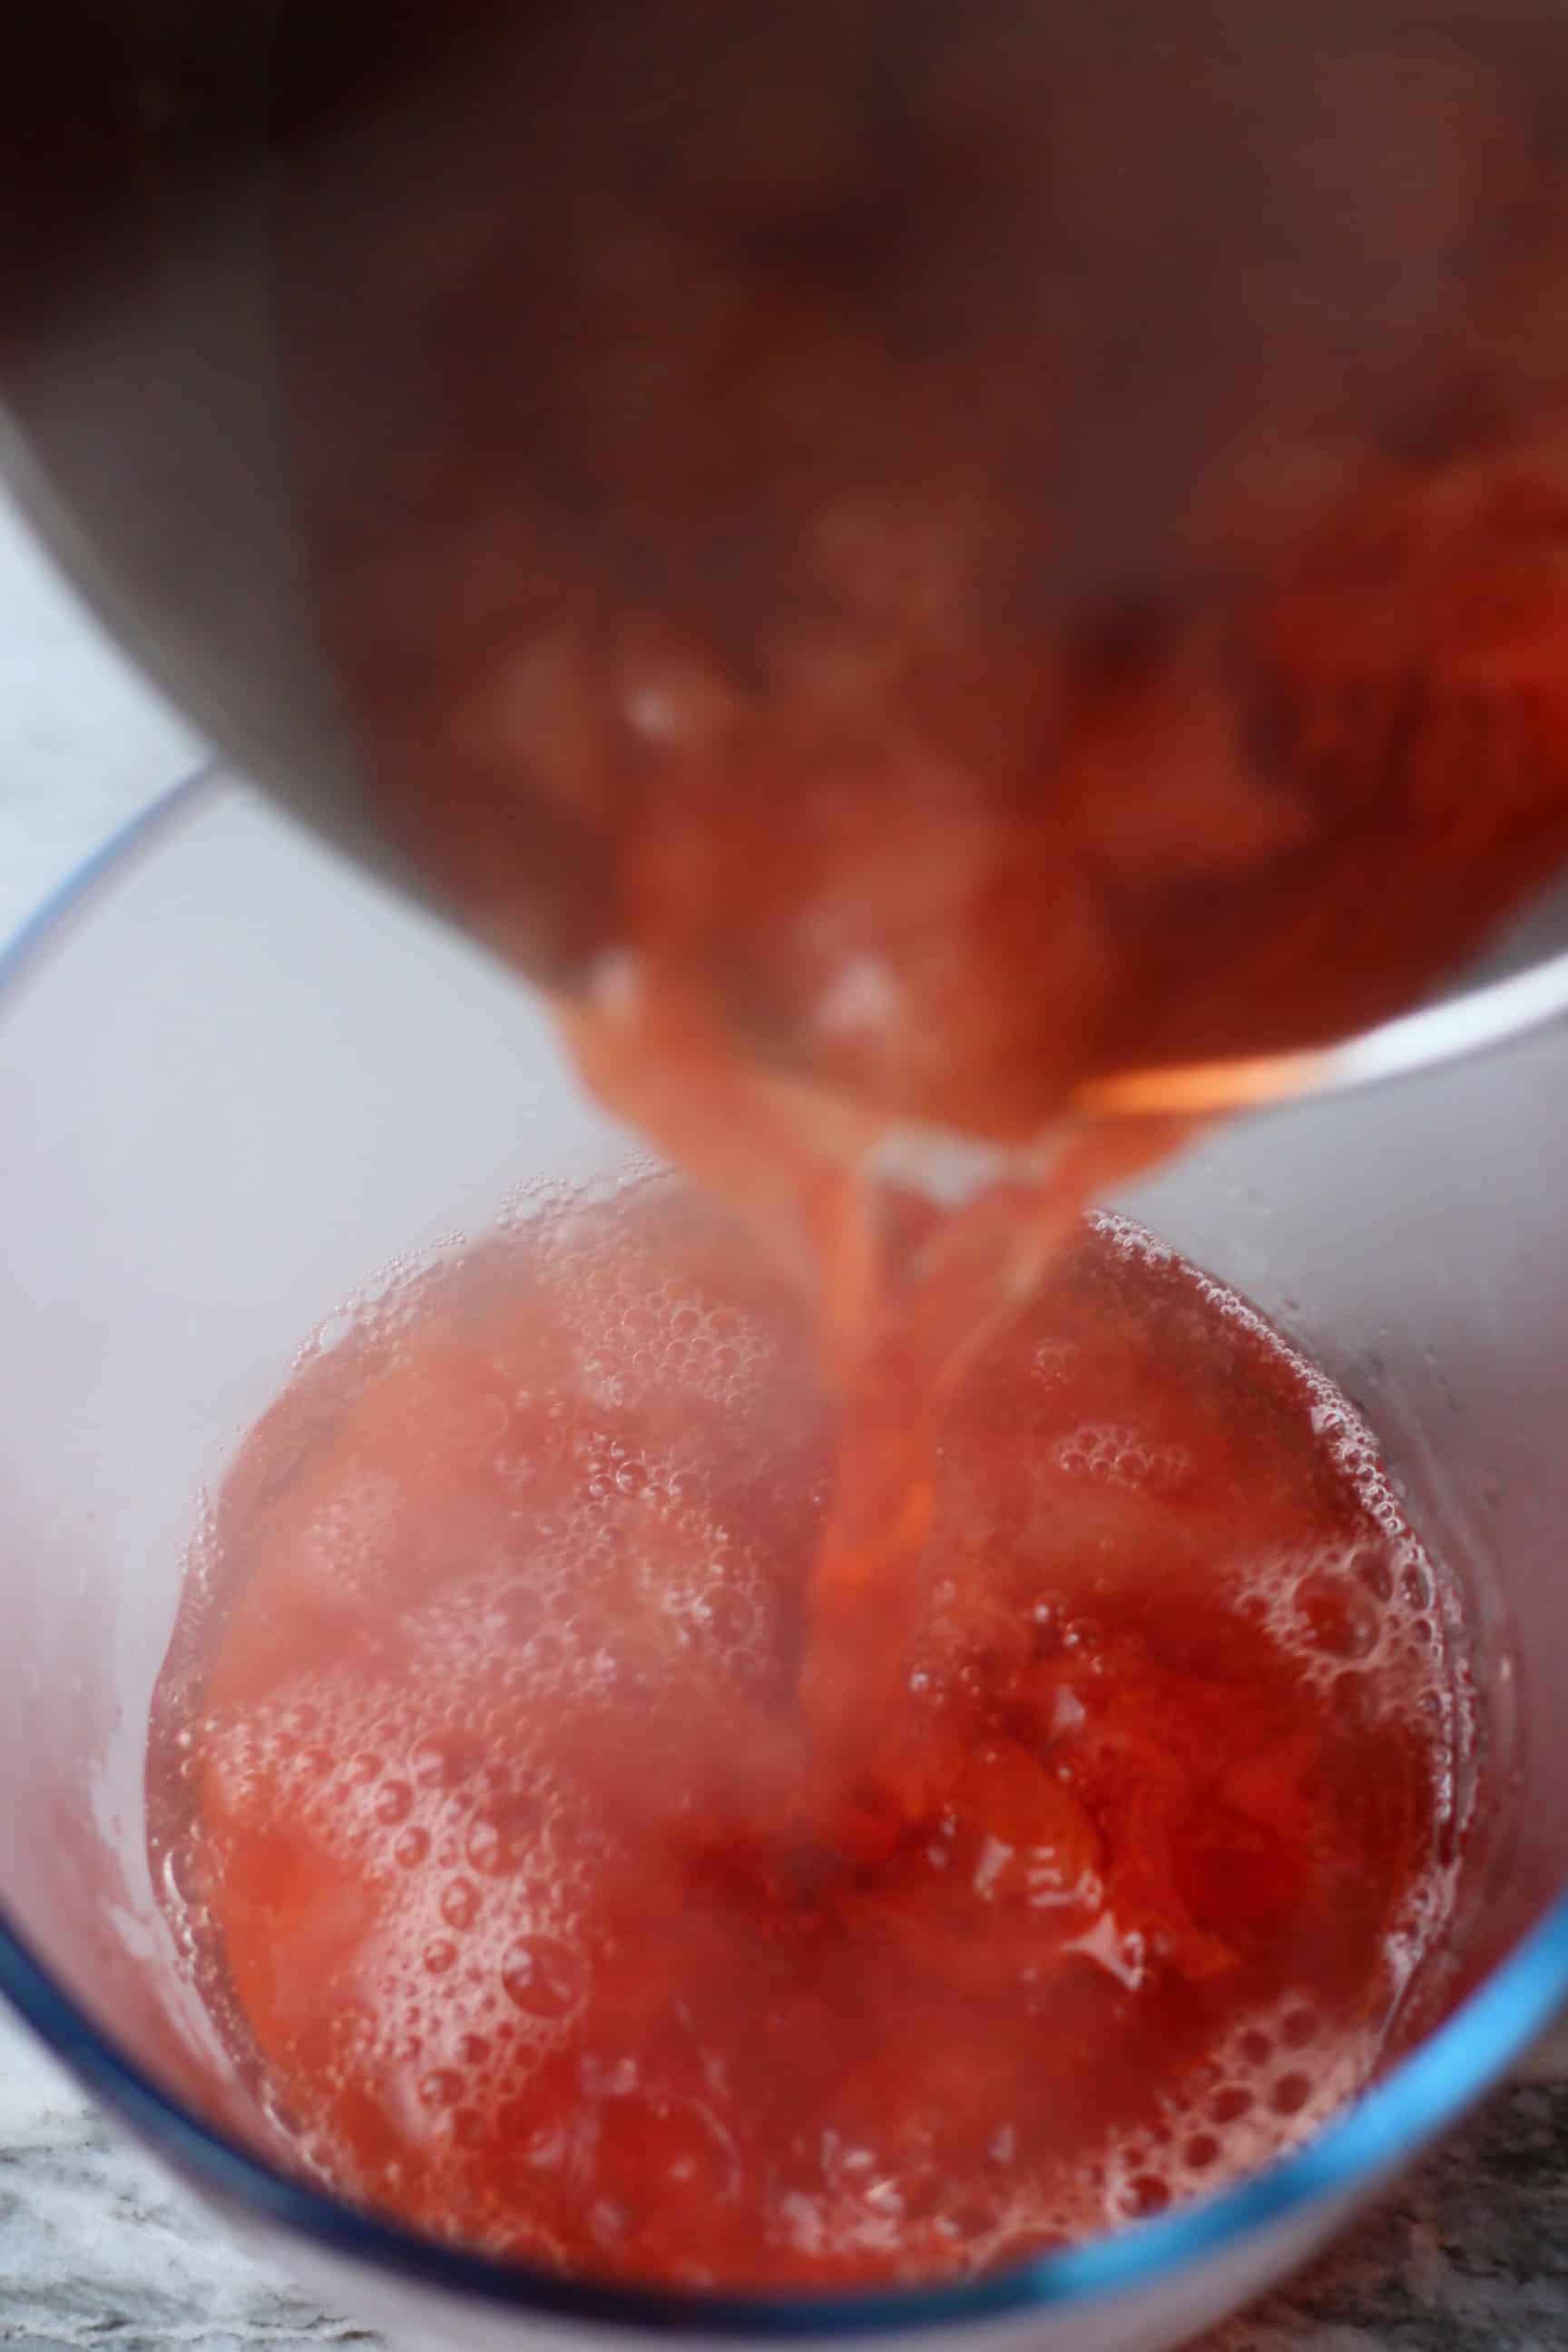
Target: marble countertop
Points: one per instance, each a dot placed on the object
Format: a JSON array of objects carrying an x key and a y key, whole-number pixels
[{"x": 97, "y": 2249}]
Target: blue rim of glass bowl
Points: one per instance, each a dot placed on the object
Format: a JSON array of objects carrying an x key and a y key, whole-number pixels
[{"x": 1427, "y": 2091}]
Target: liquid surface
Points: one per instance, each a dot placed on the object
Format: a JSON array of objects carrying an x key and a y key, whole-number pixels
[{"x": 497, "y": 1830}]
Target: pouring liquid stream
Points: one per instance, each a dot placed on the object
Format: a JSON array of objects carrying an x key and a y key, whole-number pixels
[{"x": 908, "y": 1293}]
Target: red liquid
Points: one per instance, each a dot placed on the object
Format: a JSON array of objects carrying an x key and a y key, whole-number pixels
[{"x": 480, "y": 1763}]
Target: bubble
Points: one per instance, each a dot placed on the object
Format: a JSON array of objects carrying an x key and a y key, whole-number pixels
[
  {"x": 440, "y": 1762},
  {"x": 439, "y": 1955},
  {"x": 440, "y": 2087},
  {"x": 1144, "y": 2194},
  {"x": 1290, "y": 2094},
  {"x": 460, "y": 1904},
  {"x": 1340, "y": 1617},
  {"x": 1132, "y": 1239},
  {"x": 394, "y": 1803},
  {"x": 498, "y": 1843},
  {"x": 542, "y": 1977},
  {"x": 363, "y": 1768},
  {"x": 411, "y": 1847},
  {"x": 1200, "y": 2151}
]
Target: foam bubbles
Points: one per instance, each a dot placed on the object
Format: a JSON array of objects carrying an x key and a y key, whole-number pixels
[
  {"x": 1271, "y": 2080},
  {"x": 1132, "y": 1239},
  {"x": 1375, "y": 1605},
  {"x": 1117, "y": 1456}
]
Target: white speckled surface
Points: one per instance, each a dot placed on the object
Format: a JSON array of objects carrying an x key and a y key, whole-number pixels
[{"x": 97, "y": 2250}]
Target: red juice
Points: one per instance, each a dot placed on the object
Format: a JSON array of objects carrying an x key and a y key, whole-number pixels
[{"x": 504, "y": 1844}]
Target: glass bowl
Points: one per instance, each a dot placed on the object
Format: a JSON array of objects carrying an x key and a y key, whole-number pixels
[{"x": 236, "y": 1082}]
